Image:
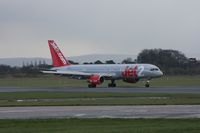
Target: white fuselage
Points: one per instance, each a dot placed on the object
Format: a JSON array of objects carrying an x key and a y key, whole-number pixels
[{"x": 146, "y": 71}]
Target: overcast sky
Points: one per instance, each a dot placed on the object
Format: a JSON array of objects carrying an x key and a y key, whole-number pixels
[{"x": 98, "y": 26}]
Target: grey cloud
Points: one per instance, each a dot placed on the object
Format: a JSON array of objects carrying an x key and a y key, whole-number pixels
[{"x": 125, "y": 26}]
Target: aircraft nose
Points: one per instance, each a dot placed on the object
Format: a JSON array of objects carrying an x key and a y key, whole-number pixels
[{"x": 161, "y": 73}]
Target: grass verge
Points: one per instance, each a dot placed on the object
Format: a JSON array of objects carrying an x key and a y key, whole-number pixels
[
  {"x": 93, "y": 98},
  {"x": 101, "y": 126}
]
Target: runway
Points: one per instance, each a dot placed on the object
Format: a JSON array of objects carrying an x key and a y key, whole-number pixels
[
  {"x": 103, "y": 89},
  {"x": 169, "y": 111}
]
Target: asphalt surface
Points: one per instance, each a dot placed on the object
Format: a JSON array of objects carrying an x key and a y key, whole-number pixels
[
  {"x": 169, "y": 111},
  {"x": 101, "y": 89}
]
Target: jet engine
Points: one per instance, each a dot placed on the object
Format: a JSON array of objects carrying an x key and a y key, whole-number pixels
[{"x": 96, "y": 79}]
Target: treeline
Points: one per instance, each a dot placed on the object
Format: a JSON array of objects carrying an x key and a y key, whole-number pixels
[
  {"x": 28, "y": 70},
  {"x": 172, "y": 62},
  {"x": 125, "y": 61}
]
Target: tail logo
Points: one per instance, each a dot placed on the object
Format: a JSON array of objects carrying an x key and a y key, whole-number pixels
[
  {"x": 57, "y": 56},
  {"x": 62, "y": 58}
]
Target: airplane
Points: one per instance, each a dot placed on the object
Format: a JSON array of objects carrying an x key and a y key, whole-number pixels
[{"x": 96, "y": 74}]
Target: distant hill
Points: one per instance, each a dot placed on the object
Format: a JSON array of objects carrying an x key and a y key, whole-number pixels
[
  {"x": 21, "y": 61},
  {"x": 79, "y": 59}
]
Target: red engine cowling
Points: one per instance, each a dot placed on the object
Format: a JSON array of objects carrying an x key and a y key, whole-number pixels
[{"x": 96, "y": 79}]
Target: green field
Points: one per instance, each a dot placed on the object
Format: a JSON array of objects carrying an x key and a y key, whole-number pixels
[
  {"x": 101, "y": 126},
  {"x": 90, "y": 98},
  {"x": 56, "y": 81}
]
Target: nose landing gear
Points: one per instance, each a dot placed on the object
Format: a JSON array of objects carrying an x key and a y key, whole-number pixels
[{"x": 147, "y": 85}]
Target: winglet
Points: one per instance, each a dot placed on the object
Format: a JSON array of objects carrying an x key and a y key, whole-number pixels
[{"x": 58, "y": 58}]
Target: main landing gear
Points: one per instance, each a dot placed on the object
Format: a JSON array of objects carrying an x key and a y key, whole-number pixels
[
  {"x": 147, "y": 84},
  {"x": 112, "y": 84}
]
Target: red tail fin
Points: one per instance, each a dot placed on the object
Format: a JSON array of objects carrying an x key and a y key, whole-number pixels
[{"x": 57, "y": 56}]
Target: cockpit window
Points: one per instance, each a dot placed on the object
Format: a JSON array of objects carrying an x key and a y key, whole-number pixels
[{"x": 154, "y": 69}]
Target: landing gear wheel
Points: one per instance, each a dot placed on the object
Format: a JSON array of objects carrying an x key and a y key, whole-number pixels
[
  {"x": 147, "y": 84},
  {"x": 92, "y": 85},
  {"x": 112, "y": 84}
]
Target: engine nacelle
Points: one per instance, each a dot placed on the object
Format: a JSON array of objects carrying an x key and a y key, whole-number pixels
[
  {"x": 96, "y": 79},
  {"x": 131, "y": 80}
]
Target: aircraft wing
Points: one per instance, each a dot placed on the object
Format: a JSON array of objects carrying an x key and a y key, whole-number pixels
[
  {"x": 67, "y": 73},
  {"x": 77, "y": 73}
]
